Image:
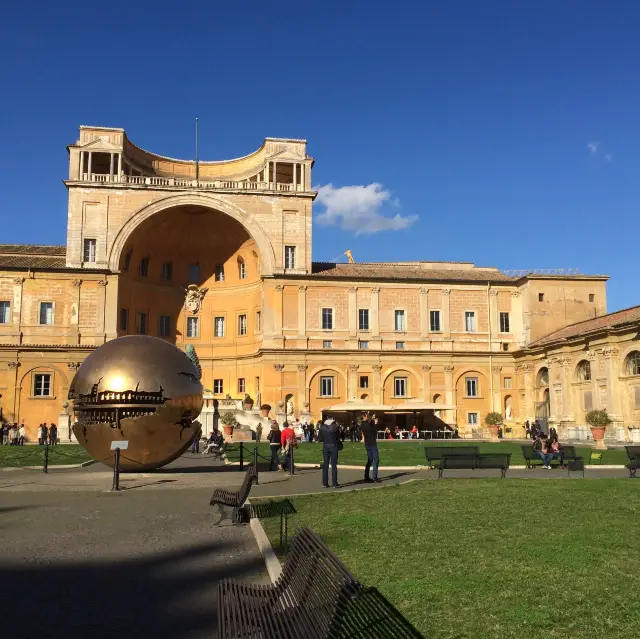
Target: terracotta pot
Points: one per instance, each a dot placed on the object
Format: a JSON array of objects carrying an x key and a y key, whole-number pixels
[
  {"x": 228, "y": 430},
  {"x": 598, "y": 437},
  {"x": 493, "y": 431}
]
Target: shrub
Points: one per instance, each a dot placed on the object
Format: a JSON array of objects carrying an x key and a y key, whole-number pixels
[
  {"x": 228, "y": 419},
  {"x": 493, "y": 419},
  {"x": 597, "y": 418}
]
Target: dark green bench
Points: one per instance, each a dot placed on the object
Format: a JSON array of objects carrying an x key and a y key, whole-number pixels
[
  {"x": 484, "y": 461},
  {"x": 633, "y": 453},
  {"x": 566, "y": 454},
  {"x": 434, "y": 454}
]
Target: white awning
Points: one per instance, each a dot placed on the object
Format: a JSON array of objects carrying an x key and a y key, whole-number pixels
[
  {"x": 416, "y": 406},
  {"x": 357, "y": 405}
]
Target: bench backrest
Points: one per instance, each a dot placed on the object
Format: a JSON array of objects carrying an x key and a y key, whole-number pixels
[
  {"x": 633, "y": 451},
  {"x": 436, "y": 452},
  {"x": 569, "y": 451},
  {"x": 494, "y": 460},
  {"x": 527, "y": 451},
  {"x": 250, "y": 477},
  {"x": 315, "y": 583}
]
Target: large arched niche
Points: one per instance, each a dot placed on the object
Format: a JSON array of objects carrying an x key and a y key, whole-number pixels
[{"x": 206, "y": 201}]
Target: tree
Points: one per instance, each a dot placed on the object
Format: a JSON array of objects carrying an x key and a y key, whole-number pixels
[{"x": 193, "y": 356}]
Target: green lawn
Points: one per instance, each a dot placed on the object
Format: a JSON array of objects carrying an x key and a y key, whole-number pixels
[
  {"x": 411, "y": 453},
  {"x": 34, "y": 455},
  {"x": 491, "y": 558}
]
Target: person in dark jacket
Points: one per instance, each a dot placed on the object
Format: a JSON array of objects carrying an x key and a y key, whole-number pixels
[
  {"x": 53, "y": 435},
  {"x": 329, "y": 435},
  {"x": 370, "y": 434},
  {"x": 274, "y": 445}
]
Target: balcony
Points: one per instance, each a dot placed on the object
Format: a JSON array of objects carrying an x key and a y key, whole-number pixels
[{"x": 185, "y": 183}]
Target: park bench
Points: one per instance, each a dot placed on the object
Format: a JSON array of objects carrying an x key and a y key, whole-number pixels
[
  {"x": 633, "y": 453},
  {"x": 567, "y": 453},
  {"x": 434, "y": 454},
  {"x": 235, "y": 498},
  {"x": 479, "y": 461},
  {"x": 315, "y": 597}
]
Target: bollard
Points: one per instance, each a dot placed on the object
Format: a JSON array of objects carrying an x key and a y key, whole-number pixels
[
  {"x": 292, "y": 470},
  {"x": 45, "y": 468},
  {"x": 116, "y": 471},
  {"x": 241, "y": 456},
  {"x": 255, "y": 463}
]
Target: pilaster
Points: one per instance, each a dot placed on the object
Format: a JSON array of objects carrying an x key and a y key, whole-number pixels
[
  {"x": 377, "y": 383},
  {"x": 426, "y": 383},
  {"x": 352, "y": 382},
  {"x": 446, "y": 315},
  {"x": 375, "y": 316},
  {"x": 496, "y": 400},
  {"x": 302, "y": 311},
  {"x": 611, "y": 363},
  {"x": 424, "y": 312},
  {"x": 449, "y": 390}
]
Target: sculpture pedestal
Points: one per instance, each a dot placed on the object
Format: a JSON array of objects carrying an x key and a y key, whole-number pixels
[{"x": 65, "y": 434}]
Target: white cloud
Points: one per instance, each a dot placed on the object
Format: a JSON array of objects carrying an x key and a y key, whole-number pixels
[
  {"x": 358, "y": 209},
  {"x": 593, "y": 147}
]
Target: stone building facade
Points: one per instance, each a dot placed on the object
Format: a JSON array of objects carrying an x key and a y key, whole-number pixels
[{"x": 218, "y": 255}]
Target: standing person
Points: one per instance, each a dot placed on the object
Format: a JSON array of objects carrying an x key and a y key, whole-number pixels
[
  {"x": 195, "y": 444},
  {"x": 527, "y": 429},
  {"x": 45, "y": 434},
  {"x": 311, "y": 431},
  {"x": 258, "y": 433},
  {"x": 329, "y": 435},
  {"x": 369, "y": 434},
  {"x": 22, "y": 434},
  {"x": 53, "y": 435},
  {"x": 274, "y": 445},
  {"x": 4, "y": 434},
  {"x": 287, "y": 441},
  {"x": 14, "y": 434}
]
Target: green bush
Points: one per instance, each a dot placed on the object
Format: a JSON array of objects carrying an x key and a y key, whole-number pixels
[
  {"x": 597, "y": 418},
  {"x": 228, "y": 419},
  {"x": 493, "y": 419}
]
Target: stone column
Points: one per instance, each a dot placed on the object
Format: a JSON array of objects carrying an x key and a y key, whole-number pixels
[
  {"x": 450, "y": 415},
  {"x": 446, "y": 319},
  {"x": 295, "y": 176},
  {"x": 611, "y": 367},
  {"x": 277, "y": 311},
  {"x": 424, "y": 312},
  {"x": 75, "y": 310},
  {"x": 567, "y": 389},
  {"x": 352, "y": 382},
  {"x": 375, "y": 304},
  {"x": 89, "y": 165},
  {"x": 275, "y": 176},
  {"x": 302, "y": 386},
  {"x": 81, "y": 166},
  {"x": 111, "y": 166},
  {"x": 377, "y": 384},
  {"x": 111, "y": 310},
  {"x": 494, "y": 328},
  {"x": 515, "y": 317},
  {"x": 496, "y": 400},
  {"x": 302, "y": 311},
  {"x": 102, "y": 312},
  {"x": 16, "y": 309},
  {"x": 353, "y": 311},
  {"x": 12, "y": 394},
  {"x": 529, "y": 408},
  {"x": 119, "y": 166},
  {"x": 426, "y": 383}
]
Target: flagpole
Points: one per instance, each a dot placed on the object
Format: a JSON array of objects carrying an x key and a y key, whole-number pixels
[{"x": 197, "y": 167}]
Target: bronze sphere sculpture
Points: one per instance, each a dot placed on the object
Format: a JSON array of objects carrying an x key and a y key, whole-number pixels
[{"x": 140, "y": 389}]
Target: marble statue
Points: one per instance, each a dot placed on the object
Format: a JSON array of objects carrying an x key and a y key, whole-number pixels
[
  {"x": 289, "y": 408},
  {"x": 508, "y": 412}
]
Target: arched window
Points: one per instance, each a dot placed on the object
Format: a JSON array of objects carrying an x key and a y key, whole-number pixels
[
  {"x": 543, "y": 377},
  {"x": 583, "y": 371},
  {"x": 242, "y": 269},
  {"x": 633, "y": 363}
]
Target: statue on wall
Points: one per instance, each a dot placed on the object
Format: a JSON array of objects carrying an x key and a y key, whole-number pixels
[
  {"x": 290, "y": 408},
  {"x": 194, "y": 295},
  {"x": 508, "y": 412}
]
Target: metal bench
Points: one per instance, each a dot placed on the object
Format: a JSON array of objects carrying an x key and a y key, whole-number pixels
[
  {"x": 485, "y": 461},
  {"x": 633, "y": 453},
  {"x": 316, "y": 597},
  {"x": 436, "y": 453},
  {"x": 567, "y": 453},
  {"x": 235, "y": 499}
]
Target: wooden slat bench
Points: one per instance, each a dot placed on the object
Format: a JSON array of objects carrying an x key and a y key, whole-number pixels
[
  {"x": 316, "y": 597},
  {"x": 434, "y": 454},
  {"x": 633, "y": 453},
  {"x": 483, "y": 461},
  {"x": 235, "y": 498}
]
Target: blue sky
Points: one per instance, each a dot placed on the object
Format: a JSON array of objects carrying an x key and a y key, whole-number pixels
[{"x": 502, "y": 133}]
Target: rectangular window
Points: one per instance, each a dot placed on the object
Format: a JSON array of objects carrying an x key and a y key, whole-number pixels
[
  {"x": 364, "y": 381},
  {"x": 588, "y": 400},
  {"x": 504, "y": 323},
  {"x": 399, "y": 346},
  {"x": 241, "y": 387},
  {"x": 89, "y": 253},
  {"x": 5, "y": 310},
  {"x": 167, "y": 271},
  {"x": 399, "y": 320},
  {"x": 505, "y": 346},
  {"x": 592, "y": 297},
  {"x": 218, "y": 326},
  {"x": 258, "y": 321},
  {"x": 472, "y": 419},
  {"x": 434, "y": 321},
  {"x": 164, "y": 326},
  {"x": 193, "y": 327},
  {"x": 508, "y": 382},
  {"x": 363, "y": 345},
  {"x": 141, "y": 323},
  {"x": 242, "y": 324},
  {"x": 327, "y": 319},
  {"x": 471, "y": 384},
  {"x": 400, "y": 386},
  {"x": 46, "y": 312},
  {"x": 540, "y": 297},
  {"x": 217, "y": 387},
  {"x": 326, "y": 343},
  {"x": 326, "y": 387},
  {"x": 144, "y": 266},
  {"x": 363, "y": 319},
  {"x": 42, "y": 385},
  {"x": 470, "y": 321},
  {"x": 194, "y": 273},
  {"x": 219, "y": 273},
  {"x": 124, "y": 319},
  {"x": 289, "y": 256}
]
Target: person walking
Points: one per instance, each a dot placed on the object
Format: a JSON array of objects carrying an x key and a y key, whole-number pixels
[
  {"x": 369, "y": 434},
  {"x": 195, "y": 443},
  {"x": 274, "y": 444},
  {"x": 22, "y": 434},
  {"x": 258, "y": 433},
  {"x": 4, "y": 434},
  {"x": 288, "y": 441},
  {"x": 53, "y": 435},
  {"x": 329, "y": 435}
]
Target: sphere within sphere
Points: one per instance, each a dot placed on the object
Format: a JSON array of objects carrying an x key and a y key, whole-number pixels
[{"x": 140, "y": 389}]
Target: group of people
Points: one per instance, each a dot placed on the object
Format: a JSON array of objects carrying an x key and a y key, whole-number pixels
[
  {"x": 532, "y": 430},
  {"x": 16, "y": 434},
  {"x": 547, "y": 447}
]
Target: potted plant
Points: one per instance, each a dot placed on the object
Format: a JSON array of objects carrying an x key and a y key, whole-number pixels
[
  {"x": 598, "y": 420},
  {"x": 228, "y": 422},
  {"x": 493, "y": 421},
  {"x": 264, "y": 410},
  {"x": 247, "y": 402}
]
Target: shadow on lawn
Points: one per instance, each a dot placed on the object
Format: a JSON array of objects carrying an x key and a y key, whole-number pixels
[{"x": 151, "y": 596}]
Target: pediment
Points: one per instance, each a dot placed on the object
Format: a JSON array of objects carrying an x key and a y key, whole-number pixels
[
  {"x": 287, "y": 154},
  {"x": 100, "y": 144}
]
